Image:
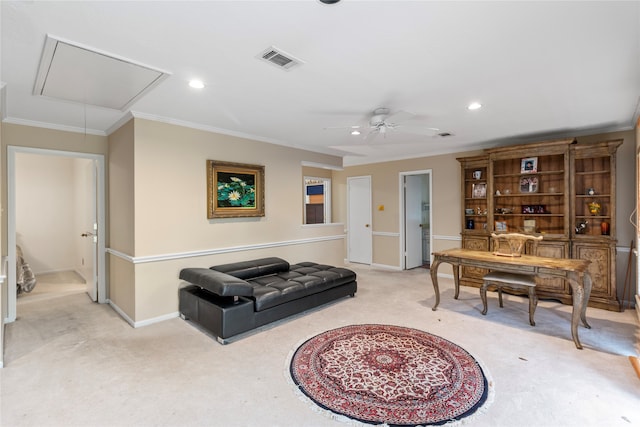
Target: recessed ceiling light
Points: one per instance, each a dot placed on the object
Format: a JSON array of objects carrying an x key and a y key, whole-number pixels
[
  {"x": 474, "y": 106},
  {"x": 355, "y": 132},
  {"x": 196, "y": 84}
]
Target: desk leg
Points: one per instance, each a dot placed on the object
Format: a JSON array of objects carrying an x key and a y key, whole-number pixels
[
  {"x": 579, "y": 304},
  {"x": 434, "y": 281},
  {"x": 586, "y": 279},
  {"x": 456, "y": 279}
]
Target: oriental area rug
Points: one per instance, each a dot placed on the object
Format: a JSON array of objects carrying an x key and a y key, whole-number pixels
[{"x": 389, "y": 375}]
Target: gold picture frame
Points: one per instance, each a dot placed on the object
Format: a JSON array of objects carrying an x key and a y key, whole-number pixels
[{"x": 234, "y": 190}]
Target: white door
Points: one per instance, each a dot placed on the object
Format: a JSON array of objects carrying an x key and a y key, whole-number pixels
[
  {"x": 413, "y": 220},
  {"x": 359, "y": 242},
  {"x": 88, "y": 232}
]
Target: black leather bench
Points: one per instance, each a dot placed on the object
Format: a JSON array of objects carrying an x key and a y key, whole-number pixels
[{"x": 229, "y": 299}]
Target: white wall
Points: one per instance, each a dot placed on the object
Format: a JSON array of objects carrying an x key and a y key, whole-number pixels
[{"x": 47, "y": 211}]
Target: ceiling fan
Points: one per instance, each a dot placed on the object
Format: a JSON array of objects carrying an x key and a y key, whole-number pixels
[{"x": 382, "y": 122}]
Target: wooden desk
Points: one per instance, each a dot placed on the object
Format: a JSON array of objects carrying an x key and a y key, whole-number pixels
[{"x": 573, "y": 270}]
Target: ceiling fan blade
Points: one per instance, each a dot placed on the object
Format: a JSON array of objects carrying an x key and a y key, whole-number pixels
[
  {"x": 372, "y": 135},
  {"x": 417, "y": 130},
  {"x": 399, "y": 117}
]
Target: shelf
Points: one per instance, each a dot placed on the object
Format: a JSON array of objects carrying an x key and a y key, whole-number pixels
[
  {"x": 514, "y": 215},
  {"x": 519, "y": 174},
  {"x": 593, "y": 172},
  {"x": 528, "y": 195},
  {"x": 594, "y": 196}
]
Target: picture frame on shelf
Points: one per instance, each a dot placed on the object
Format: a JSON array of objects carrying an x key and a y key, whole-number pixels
[
  {"x": 234, "y": 190},
  {"x": 479, "y": 191},
  {"x": 500, "y": 225},
  {"x": 529, "y": 225},
  {"x": 528, "y": 184},
  {"x": 529, "y": 165}
]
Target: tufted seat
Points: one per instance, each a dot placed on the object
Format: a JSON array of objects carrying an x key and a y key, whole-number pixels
[
  {"x": 274, "y": 281},
  {"x": 233, "y": 298}
]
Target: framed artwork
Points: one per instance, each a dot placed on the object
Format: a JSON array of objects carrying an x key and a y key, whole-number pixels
[
  {"x": 479, "y": 191},
  {"x": 500, "y": 226},
  {"x": 529, "y": 165},
  {"x": 529, "y": 184},
  {"x": 234, "y": 190}
]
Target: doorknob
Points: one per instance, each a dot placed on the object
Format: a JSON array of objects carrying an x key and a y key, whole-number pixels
[
  {"x": 366, "y": 225},
  {"x": 87, "y": 234}
]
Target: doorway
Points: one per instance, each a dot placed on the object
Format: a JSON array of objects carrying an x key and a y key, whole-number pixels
[
  {"x": 360, "y": 234},
  {"x": 86, "y": 239},
  {"x": 416, "y": 219}
]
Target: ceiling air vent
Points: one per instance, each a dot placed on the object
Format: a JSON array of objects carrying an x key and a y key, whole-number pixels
[{"x": 279, "y": 58}]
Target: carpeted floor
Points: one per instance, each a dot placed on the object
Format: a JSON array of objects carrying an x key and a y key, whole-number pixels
[{"x": 71, "y": 362}]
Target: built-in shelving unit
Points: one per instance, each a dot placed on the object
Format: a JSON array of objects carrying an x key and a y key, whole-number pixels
[{"x": 546, "y": 189}]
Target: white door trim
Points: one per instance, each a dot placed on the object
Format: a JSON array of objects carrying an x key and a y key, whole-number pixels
[
  {"x": 11, "y": 220},
  {"x": 403, "y": 230}
]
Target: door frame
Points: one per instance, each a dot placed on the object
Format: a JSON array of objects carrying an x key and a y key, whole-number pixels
[
  {"x": 98, "y": 160},
  {"x": 402, "y": 222}
]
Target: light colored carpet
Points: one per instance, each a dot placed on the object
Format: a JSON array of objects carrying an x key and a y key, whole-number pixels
[{"x": 71, "y": 362}]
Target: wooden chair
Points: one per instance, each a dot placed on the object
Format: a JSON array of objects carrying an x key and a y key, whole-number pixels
[{"x": 511, "y": 244}]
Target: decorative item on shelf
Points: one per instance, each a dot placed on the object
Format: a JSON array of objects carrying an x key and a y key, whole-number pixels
[
  {"x": 594, "y": 208},
  {"x": 470, "y": 224},
  {"x": 504, "y": 211},
  {"x": 479, "y": 191},
  {"x": 581, "y": 228},
  {"x": 507, "y": 191},
  {"x": 552, "y": 189},
  {"x": 469, "y": 211},
  {"x": 529, "y": 184},
  {"x": 500, "y": 226},
  {"x": 498, "y": 193},
  {"x": 534, "y": 209},
  {"x": 604, "y": 228},
  {"x": 529, "y": 165},
  {"x": 479, "y": 210},
  {"x": 591, "y": 191},
  {"x": 477, "y": 174}
]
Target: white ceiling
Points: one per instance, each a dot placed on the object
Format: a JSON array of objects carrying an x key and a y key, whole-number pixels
[{"x": 540, "y": 69}]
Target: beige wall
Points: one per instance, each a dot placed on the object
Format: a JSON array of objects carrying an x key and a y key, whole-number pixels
[
  {"x": 48, "y": 241},
  {"x": 167, "y": 228},
  {"x": 447, "y": 225},
  {"x": 385, "y": 184}
]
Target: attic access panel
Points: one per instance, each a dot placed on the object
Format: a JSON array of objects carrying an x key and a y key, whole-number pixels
[{"x": 80, "y": 74}]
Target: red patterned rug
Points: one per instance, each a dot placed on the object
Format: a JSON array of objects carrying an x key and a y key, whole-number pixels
[{"x": 381, "y": 374}]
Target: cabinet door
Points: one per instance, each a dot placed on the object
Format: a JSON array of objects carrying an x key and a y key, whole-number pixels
[
  {"x": 600, "y": 268},
  {"x": 553, "y": 249},
  {"x": 477, "y": 244}
]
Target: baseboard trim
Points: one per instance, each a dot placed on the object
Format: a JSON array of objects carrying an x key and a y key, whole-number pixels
[
  {"x": 158, "y": 319},
  {"x": 386, "y": 267},
  {"x": 141, "y": 323},
  {"x": 121, "y": 313}
]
